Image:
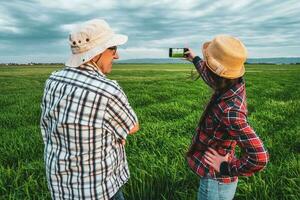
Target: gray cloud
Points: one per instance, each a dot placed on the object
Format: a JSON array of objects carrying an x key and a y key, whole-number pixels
[{"x": 38, "y": 30}]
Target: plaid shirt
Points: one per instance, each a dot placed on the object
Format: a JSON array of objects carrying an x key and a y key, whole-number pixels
[
  {"x": 84, "y": 117},
  {"x": 222, "y": 126}
]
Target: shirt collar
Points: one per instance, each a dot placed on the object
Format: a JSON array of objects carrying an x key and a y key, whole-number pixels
[{"x": 236, "y": 89}]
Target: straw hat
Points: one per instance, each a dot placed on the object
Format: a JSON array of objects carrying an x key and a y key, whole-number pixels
[
  {"x": 90, "y": 39},
  {"x": 225, "y": 56}
]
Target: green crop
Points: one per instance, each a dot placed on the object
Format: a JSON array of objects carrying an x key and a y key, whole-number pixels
[{"x": 168, "y": 104}]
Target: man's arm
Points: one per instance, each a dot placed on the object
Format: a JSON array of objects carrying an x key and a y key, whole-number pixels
[
  {"x": 134, "y": 129},
  {"x": 121, "y": 118}
]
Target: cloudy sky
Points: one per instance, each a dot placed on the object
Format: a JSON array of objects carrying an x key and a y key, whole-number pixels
[{"x": 37, "y": 30}]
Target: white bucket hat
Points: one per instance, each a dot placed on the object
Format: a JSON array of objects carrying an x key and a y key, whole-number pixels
[{"x": 90, "y": 39}]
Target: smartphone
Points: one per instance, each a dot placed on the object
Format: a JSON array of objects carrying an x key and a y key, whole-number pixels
[{"x": 177, "y": 52}]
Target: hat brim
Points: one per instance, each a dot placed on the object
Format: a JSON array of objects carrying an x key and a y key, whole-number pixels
[
  {"x": 204, "y": 50},
  {"x": 75, "y": 60}
]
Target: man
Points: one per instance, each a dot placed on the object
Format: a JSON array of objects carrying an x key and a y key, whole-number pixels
[{"x": 86, "y": 118}]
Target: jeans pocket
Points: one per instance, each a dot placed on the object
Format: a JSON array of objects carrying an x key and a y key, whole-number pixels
[
  {"x": 203, "y": 189},
  {"x": 227, "y": 190}
]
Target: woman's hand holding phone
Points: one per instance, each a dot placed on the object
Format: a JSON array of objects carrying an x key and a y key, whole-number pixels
[{"x": 190, "y": 55}]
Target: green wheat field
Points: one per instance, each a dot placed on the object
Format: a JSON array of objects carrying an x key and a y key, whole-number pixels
[{"x": 168, "y": 104}]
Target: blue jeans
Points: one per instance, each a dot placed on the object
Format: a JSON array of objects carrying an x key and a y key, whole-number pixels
[
  {"x": 211, "y": 189},
  {"x": 118, "y": 196}
]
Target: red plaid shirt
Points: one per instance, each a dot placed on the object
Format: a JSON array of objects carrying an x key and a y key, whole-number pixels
[{"x": 222, "y": 126}]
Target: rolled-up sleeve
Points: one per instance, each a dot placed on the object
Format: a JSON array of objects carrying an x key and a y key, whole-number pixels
[{"x": 121, "y": 116}]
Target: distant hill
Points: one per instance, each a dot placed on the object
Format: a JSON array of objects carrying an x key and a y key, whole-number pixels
[{"x": 292, "y": 60}]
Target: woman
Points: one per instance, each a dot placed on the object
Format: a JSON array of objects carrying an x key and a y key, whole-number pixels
[
  {"x": 223, "y": 124},
  {"x": 86, "y": 118}
]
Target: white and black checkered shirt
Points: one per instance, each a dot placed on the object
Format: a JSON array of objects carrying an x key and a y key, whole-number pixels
[{"x": 84, "y": 117}]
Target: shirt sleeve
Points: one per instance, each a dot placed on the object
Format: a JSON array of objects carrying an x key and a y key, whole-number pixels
[
  {"x": 121, "y": 116},
  {"x": 43, "y": 131},
  {"x": 43, "y": 122},
  {"x": 254, "y": 156},
  {"x": 203, "y": 71}
]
